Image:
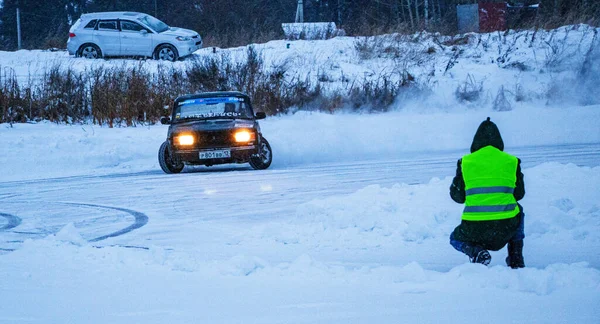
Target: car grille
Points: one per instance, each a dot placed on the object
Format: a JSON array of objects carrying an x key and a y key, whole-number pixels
[{"x": 215, "y": 139}]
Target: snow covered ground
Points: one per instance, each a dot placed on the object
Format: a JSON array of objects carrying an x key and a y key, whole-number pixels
[{"x": 349, "y": 225}]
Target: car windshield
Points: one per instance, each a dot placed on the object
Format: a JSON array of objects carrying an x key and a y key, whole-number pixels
[
  {"x": 156, "y": 25},
  {"x": 205, "y": 108}
]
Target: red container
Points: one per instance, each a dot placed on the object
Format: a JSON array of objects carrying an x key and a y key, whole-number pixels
[{"x": 492, "y": 16}]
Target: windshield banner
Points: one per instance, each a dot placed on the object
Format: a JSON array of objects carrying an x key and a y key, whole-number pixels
[
  {"x": 212, "y": 114},
  {"x": 210, "y": 101}
]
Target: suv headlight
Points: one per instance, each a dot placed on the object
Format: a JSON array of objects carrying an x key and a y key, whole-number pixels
[
  {"x": 182, "y": 38},
  {"x": 243, "y": 136},
  {"x": 185, "y": 139}
]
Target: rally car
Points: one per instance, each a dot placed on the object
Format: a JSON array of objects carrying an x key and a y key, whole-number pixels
[{"x": 213, "y": 128}]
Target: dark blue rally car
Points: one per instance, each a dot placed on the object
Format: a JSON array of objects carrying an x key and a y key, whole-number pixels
[{"x": 213, "y": 128}]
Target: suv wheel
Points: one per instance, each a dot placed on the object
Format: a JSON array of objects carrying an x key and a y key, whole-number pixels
[
  {"x": 166, "y": 52},
  {"x": 263, "y": 159},
  {"x": 166, "y": 161},
  {"x": 89, "y": 51}
]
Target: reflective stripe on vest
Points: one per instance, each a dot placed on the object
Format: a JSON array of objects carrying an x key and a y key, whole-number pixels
[
  {"x": 488, "y": 209},
  {"x": 490, "y": 180},
  {"x": 485, "y": 190}
]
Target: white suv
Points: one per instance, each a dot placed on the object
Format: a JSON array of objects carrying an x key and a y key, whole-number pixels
[{"x": 104, "y": 34}]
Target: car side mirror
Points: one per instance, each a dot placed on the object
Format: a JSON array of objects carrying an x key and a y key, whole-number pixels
[
  {"x": 143, "y": 32},
  {"x": 260, "y": 115},
  {"x": 165, "y": 120}
]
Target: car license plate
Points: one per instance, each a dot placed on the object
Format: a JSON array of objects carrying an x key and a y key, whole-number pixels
[{"x": 216, "y": 154}]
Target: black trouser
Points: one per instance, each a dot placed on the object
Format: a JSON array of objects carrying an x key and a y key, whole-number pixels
[{"x": 469, "y": 234}]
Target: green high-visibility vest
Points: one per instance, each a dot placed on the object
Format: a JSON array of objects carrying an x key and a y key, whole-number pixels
[{"x": 490, "y": 179}]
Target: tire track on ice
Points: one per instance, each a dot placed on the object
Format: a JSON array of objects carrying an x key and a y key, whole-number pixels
[
  {"x": 141, "y": 219},
  {"x": 13, "y": 221}
]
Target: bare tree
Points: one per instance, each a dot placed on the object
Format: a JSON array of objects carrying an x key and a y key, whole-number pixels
[
  {"x": 417, "y": 20},
  {"x": 426, "y": 11},
  {"x": 412, "y": 23}
]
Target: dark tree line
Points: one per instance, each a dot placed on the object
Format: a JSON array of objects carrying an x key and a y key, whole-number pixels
[{"x": 45, "y": 23}]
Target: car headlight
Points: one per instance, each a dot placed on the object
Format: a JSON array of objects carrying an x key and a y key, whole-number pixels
[
  {"x": 182, "y": 38},
  {"x": 244, "y": 136},
  {"x": 185, "y": 139}
]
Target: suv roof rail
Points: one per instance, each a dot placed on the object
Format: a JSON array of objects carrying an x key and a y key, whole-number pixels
[{"x": 112, "y": 14}]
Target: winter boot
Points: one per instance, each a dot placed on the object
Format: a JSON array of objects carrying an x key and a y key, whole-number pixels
[
  {"x": 478, "y": 255},
  {"x": 515, "y": 255},
  {"x": 482, "y": 257}
]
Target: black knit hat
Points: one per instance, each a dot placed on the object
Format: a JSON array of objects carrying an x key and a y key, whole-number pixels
[{"x": 487, "y": 134}]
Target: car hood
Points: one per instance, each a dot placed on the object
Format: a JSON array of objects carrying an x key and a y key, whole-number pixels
[{"x": 176, "y": 31}]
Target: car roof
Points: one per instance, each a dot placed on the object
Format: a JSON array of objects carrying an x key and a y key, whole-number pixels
[
  {"x": 113, "y": 14},
  {"x": 213, "y": 94}
]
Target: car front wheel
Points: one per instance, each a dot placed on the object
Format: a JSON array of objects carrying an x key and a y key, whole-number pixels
[
  {"x": 166, "y": 52},
  {"x": 264, "y": 157},
  {"x": 89, "y": 51},
  {"x": 166, "y": 161}
]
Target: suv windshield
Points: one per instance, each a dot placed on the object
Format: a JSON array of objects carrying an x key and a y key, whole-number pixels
[
  {"x": 204, "y": 108},
  {"x": 157, "y": 25}
]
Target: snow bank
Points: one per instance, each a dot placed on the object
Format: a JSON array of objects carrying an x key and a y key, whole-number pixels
[
  {"x": 539, "y": 67},
  {"x": 567, "y": 211}
]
